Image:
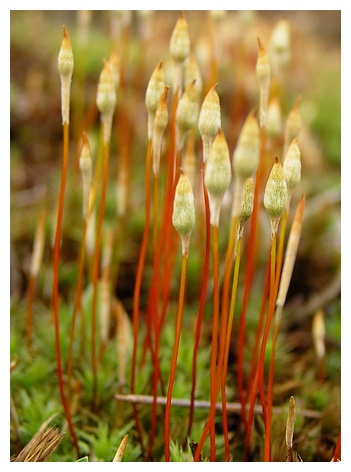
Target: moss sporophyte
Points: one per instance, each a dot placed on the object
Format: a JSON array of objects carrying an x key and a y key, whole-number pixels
[{"x": 166, "y": 333}]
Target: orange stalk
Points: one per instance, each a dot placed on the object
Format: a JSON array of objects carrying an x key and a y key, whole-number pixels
[
  {"x": 77, "y": 304},
  {"x": 214, "y": 375},
  {"x": 153, "y": 313},
  {"x": 55, "y": 288},
  {"x": 175, "y": 356},
  {"x": 138, "y": 281},
  {"x": 249, "y": 271},
  {"x": 96, "y": 265},
  {"x": 289, "y": 262},
  {"x": 271, "y": 305},
  {"x": 183, "y": 220},
  {"x": 252, "y": 381},
  {"x": 201, "y": 306},
  {"x": 226, "y": 342}
]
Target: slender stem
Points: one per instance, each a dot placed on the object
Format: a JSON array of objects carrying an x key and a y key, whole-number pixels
[
  {"x": 55, "y": 291},
  {"x": 214, "y": 375},
  {"x": 153, "y": 314},
  {"x": 280, "y": 251},
  {"x": 96, "y": 265},
  {"x": 249, "y": 270},
  {"x": 258, "y": 380},
  {"x": 201, "y": 304},
  {"x": 225, "y": 292},
  {"x": 168, "y": 238},
  {"x": 227, "y": 346},
  {"x": 259, "y": 330},
  {"x": 165, "y": 232},
  {"x": 138, "y": 280},
  {"x": 290, "y": 258},
  {"x": 77, "y": 304},
  {"x": 276, "y": 280},
  {"x": 162, "y": 240},
  {"x": 153, "y": 305},
  {"x": 270, "y": 395},
  {"x": 175, "y": 356},
  {"x": 271, "y": 306},
  {"x": 123, "y": 130},
  {"x": 155, "y": 214}
]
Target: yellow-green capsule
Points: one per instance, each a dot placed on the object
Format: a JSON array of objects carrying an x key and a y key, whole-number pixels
[
  {"x": 188, "y": 108},
  {"x": 276, "y": 195},
  {"x": 154, "y": 91},
  {"x": 180, "y": 40},
  {"x": 247, "y": 151},
  {"x": 160, "y": 124},
  {"x": 183, "y": 217},
  {"x": 293, "y": 124},
  {"x": 280, "y": 45},
  {"x": 187, "y": 112},
  {"x": 106, "y": 92},
  {"x": 247, "y": 203},
  {"x": 155, "y": 88},
  {"x": 209, "y": 120},
  {"x": 218, "y": 175},
  {"x": 263, "y": 73},
  {"x": 86, "y": 169},
  {"x": 274, "y": 124},
  {"x": 192, "y": 72},
  {"x": 106, "y": 99},
  {"x": 65, "y": 67},
  {"x": 292, "y": 166}
]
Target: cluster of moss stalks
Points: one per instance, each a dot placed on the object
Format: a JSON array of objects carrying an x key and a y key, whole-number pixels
[{"x": 153, "y": 322}]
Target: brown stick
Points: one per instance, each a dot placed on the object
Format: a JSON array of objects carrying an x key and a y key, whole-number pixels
[{"x": 232, "y": 407}]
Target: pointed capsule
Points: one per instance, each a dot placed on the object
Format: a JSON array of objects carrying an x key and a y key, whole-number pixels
[
  {"x": 106, "y": 93},
  {"x": 192, "y": 72},
  {"x": 180, "y": 41},
  {"x": 274, "y": 124},
  {"x": 106, "y": 99},
  {"x": 86, "y": 169},
  {"x": 188, "y": 108},
  {"x": 183, "y": 217},
  {"x": 187, "y": 112},
  {"x": 293, "y": 124},
  {"x": 39, "y": 244},
  {"x": 217, "y": 175},
  {"x": 280, "y": 45},
  {"x": 247, "y": 203},
  {"x": 114, "y": 61},
  {"x": 247, "y": 151},
  {"x": 276, "y": 195},
  {"x": 263, "y": 74},
  {"x": 290, "y": 424},
  {"x": 65, "y": 67},
  {"x": 209, "y": 120},
  {"x": 155, "y": 88},
  {"x": 160, "y": 124},
  {"x": 154, "y": 91},
  {"x": 292, "y": 166},
  {"x": 318, "y": 333}
]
